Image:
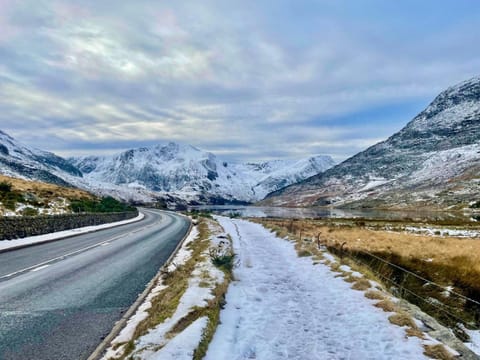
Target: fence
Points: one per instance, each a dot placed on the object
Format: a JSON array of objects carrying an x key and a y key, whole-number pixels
[{"x": 446, "y": 305}]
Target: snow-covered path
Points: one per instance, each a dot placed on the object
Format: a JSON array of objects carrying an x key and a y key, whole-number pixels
[{"x": 284, "y": 307}]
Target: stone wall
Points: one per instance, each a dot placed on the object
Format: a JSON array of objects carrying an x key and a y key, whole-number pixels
[{"x": 19, "y": 227}]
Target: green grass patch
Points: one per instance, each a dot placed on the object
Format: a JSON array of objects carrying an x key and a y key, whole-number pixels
[{"x": 105, "y": 205}]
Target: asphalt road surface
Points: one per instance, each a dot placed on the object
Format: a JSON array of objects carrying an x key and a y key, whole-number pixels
[{"x": 59, "y": 300}]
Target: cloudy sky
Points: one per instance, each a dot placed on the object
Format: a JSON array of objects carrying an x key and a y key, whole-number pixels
[{"x": 246, "y": 79}]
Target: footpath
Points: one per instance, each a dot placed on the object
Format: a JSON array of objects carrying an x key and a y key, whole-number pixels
[{"x": 282, "y": 306}]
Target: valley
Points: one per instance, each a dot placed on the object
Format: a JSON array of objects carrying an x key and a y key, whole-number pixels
[{"x": 232, "y": 180}]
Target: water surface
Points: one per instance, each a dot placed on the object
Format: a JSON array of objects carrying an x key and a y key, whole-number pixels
[{"x": 324, "y": 213}]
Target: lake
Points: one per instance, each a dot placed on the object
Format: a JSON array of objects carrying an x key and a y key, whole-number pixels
[{"x": 315, "y": 213}]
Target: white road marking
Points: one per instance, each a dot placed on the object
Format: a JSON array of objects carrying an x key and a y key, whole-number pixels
[
  {"x": 39, "y": 268},
  {"x": 40, "y": 265}
]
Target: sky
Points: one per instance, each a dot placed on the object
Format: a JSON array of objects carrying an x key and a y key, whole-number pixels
[{"x": 248, "y": 80}]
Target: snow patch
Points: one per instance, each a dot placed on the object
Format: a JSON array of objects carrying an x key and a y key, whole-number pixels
[
  {"x": 182, "y": 346},
  {"x": 474, "y": 343}
]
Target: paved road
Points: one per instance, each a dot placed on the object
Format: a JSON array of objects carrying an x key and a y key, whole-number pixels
[{"x": 59, "y": 300}]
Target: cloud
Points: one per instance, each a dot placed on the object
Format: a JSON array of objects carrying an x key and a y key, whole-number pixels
[{"x": 249, "y": 80}]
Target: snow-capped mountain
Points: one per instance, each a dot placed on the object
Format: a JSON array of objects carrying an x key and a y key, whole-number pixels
[
  {"x": 433, "y": 161},
  {"x": 20, "y": 161},
  {"x": 174, "y": 173},
  {"x": 196, "y": 176}
]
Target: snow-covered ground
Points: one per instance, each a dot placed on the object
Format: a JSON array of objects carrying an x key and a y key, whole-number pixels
[
  {"x": 285, "y": 307},
  {"x": 436, "y": 231},
  {"x": 159, "y": 343},
  {"x": 474, "y": 343},
  {"x": 8, "y": 244}
]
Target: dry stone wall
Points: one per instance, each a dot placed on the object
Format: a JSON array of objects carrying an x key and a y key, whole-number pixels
[{"x": 20, "y": 227}]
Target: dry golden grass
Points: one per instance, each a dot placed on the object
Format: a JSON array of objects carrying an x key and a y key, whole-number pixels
[
  {"x": 411, "y": 332},
  {"x": 402, "y": 319},
  {"x": 374, "y": 295},
  {"x": 386, "y": 305},
  {"x": 447, "y": 260},
  {"x": 45, "y": 190},
  {"x": 350, "y": 279},
  {"x": 438, "y": 352},
  {"x": 377, "y": 241},
  {"x": 361, "y": 284}
]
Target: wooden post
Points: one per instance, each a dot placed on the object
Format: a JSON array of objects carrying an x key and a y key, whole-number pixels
[{"x": 342, "y": 250}]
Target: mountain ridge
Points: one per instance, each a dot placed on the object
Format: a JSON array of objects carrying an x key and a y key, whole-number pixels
[
  {"x": 420, "y": 165},
  {"x": 170, "y": 172},
  {"x": 196, "y": 175}
]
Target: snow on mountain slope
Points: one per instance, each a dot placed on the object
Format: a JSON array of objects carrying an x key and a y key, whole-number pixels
[
  {"x": 172, "y": 173},
  {"x": 194, "y": 175},
  {"x": 17, "y": 160},
  {"x": 432, "y": 161}
]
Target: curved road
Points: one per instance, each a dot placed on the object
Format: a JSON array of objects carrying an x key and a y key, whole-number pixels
[{"x": 59, "y": 300}]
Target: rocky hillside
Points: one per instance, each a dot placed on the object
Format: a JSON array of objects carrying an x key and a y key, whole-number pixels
[
  {"x": 193, "y": 175},
  {"x": 18, "y": 160},
  {"x": 434, "y": 161}
]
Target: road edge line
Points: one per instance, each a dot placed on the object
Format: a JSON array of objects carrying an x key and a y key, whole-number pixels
[
  {"x": 67, "y": 236},
  {"x": 103, "y": 346}
]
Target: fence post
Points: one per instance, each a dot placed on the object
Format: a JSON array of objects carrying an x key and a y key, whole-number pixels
[{"x": 342, "y": 249}]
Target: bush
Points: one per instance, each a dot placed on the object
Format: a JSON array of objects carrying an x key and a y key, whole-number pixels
[
  {"x": 10, "y": 199},
  {"x": 234, "y": 214},
  {"x": 224, "y": 260},
  {"x": 10, "y": 204},
  {"x": 5, "y": 187},
  {"x": 107, "y": 204},
  {"x": 195, "y": 214}
]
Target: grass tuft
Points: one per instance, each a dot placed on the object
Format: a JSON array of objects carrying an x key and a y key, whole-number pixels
[
  {"x": 386, "y": 305},
  {"x": 374, "y": 295},
  {"x": 304, "y": 253},
  {"x": 361, "y": 284},
  {"x": 437, "y": 352},
  {"x": 402, "y": 319}
]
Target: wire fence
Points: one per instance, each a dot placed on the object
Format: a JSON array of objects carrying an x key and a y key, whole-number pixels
[{"x": 448, "y": 306}]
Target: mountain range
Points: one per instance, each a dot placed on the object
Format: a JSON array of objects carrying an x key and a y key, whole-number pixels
[
  {"x": 434, "y": 161},
  {"x": 172, "y": 172},
  {"x": 200, "y": 177}
]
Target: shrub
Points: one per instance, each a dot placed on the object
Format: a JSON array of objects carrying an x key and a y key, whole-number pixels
[
  {"x": 10, "y": 204},
  {"x": 224, "y": 260},
  {"x": 5, "y": 187},
  {"x": 234, "y": 214},
  {"x": 107, "y": 204}
]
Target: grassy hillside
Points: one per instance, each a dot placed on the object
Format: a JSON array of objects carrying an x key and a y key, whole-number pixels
[{"x": 29, "y": 198}]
